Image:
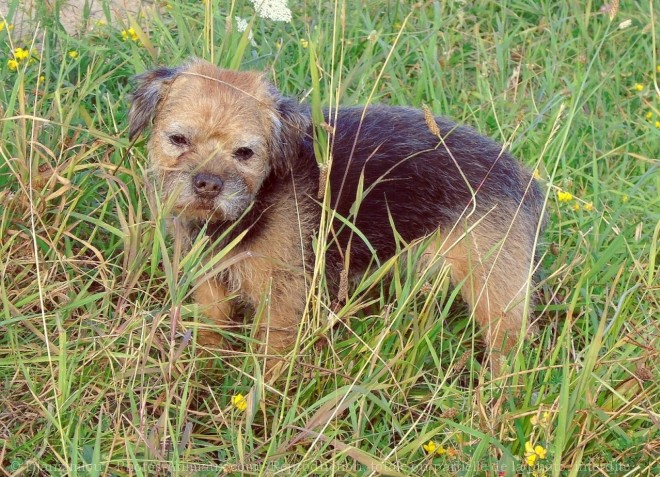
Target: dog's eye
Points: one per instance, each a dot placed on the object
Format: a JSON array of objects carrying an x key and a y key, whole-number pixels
[
  {"x": 243, "y": 153},
  {"x": 179, "y": 140}
]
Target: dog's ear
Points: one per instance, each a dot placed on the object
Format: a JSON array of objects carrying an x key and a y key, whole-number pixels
[
  {"x": 150, "y": 89},
  {"x": 291, "y": 124}
]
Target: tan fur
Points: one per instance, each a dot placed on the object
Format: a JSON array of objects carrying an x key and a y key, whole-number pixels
[
  {"x": 493, "y": 273},
  {"x": 227, "y": 109},
  {"x": 200, "y": 102},
  {"x": 212, "y": 298},
  {"x": 271, "y": 269}
]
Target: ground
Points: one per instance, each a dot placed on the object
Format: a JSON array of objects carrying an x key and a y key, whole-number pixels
[{"x": 70, "y": 13}]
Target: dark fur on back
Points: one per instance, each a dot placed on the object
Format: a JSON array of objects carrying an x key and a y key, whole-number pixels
[
  {"x": 413, "y": 177},
  {"x": 410, "y": 178}
]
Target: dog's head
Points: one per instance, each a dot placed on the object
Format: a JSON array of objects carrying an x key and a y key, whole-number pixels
[{"x": 216, "y": 136}]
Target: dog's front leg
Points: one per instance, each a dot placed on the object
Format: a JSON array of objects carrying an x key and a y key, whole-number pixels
[
  {"x": 211, "y": 296},
  {"x": 280, "y": 304}
]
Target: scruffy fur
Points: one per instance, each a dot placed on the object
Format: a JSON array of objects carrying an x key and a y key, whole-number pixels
[{"x": 233, "y": 155}]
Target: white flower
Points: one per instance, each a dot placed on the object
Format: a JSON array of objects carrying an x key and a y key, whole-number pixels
[
  {"x": 275, "y": 10},
  {"x": 625, "y": 24},
  {"x": 241, "y": 25}
]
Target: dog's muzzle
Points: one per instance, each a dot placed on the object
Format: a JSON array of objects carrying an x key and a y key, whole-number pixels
[{"x": 207, "y": 186}]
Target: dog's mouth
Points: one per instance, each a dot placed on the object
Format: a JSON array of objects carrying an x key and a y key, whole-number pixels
[
  {"x": 213, "y": 210},
  {"x": 203, "y": 205},
  {"x": 198, "y": 209}
]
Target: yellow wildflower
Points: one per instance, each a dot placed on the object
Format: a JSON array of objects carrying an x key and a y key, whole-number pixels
[
  {"x": 533, "y": 453},
  {"x": 575, "y": 206},
  {"x": 304, "y": 43},
  {"x": 657, "y": 124},
  {"x": 129, "y": 34},
  {"x": 537, "y": 174},
  {"x": 541, "y": 452},
  {"x": 20, "y": 54},
  {"x": 657, "y": 68},
  {"x": 431, "y": 447},
  {"x": 649, "y": 115},
  {"x": 42, "y": 78},
  {"x": 2, "y": 26},
  {"x": 563, "y": 196},
  {"x": 624, "y": 199},
  {"x": 588, "y": 206},
  {"x": 278, "y": 45},
  {"x": 544, "y": 418},
  {"x": 239, "y": 402},
  {"x": 530, "y": 459},
  {"x": 12, "y": 64},
  {"x": 539, "y": 473},
  {"x": 638, "y": 87},
  {"x": 73, "y": 54}
]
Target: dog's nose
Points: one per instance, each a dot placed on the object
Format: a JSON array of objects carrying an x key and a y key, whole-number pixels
[{"x": 207, "y": 185}]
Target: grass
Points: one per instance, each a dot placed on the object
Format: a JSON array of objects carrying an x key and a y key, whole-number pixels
[{"x": 99, "y": 369}]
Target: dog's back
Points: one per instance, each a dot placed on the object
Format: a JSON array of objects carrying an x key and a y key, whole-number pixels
[{"x": 392, "y": 176}]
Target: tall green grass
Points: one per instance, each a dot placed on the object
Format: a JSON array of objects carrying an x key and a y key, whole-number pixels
[{"x": 99, "y": 370}]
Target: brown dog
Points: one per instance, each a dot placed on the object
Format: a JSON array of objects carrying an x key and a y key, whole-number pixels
[{"x": 236, "y": 159}]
